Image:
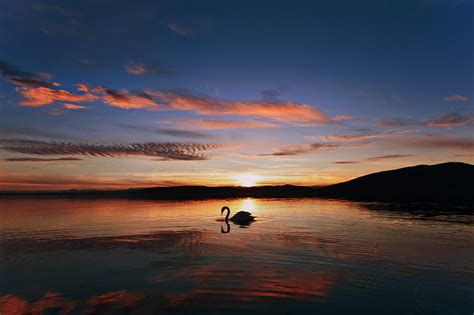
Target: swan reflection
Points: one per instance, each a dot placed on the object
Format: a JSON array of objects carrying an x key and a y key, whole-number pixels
[{"x": 227, "y": 230}]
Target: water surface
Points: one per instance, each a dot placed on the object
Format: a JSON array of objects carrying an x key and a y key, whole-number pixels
[{"x": 117, "y": 256}]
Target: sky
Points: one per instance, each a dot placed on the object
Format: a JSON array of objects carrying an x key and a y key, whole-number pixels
[{"x": 119, "y": 94}]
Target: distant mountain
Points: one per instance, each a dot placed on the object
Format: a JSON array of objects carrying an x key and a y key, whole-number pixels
[
  {"x": 227, "y": 192},
  {"x": 448, "y": 182},
  {"x": 184, "y": 192}
]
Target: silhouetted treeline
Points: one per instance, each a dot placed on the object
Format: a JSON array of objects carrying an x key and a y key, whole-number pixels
[{"x": 448, "y": 183}]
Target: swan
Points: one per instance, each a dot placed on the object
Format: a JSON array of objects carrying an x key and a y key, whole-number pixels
[{"x": 241, "y": 217}]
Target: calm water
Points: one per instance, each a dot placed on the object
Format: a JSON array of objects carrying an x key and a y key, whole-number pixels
[{"x": 61, "y": 256}]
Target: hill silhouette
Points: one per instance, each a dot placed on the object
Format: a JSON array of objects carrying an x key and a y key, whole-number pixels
[
  {"x": 184, "y": 192},
  {"x": 447, "y": 182},
  {"x": 226, "y": 192}
]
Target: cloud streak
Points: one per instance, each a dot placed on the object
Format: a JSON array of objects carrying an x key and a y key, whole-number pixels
[
  {"x": 140, "y": 68},
  {"x": 179, "y": 29},
  {"x": 277, "y": 111},
  {"x": 167, "y": 132},
  {"x": 445, "y": 120},
  {"x": 456, "y": 98},
  {"x": 389, "y": 157},
  {"x": 163, "y": 151},
  {"x": 15, "y": 181},
  {"x": 29, "y": 159},
  {"x": 22, "y": 78},
  {"x": 437, "y": 142},
  {"x": 298, "y": 149},
  {"x": 211, "y": 124},
  {"x": 451, "y": 119},
  {"x": 358, "y": 137}
]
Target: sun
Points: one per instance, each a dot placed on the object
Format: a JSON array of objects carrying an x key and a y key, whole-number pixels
[{"x": 247, "y": 180}]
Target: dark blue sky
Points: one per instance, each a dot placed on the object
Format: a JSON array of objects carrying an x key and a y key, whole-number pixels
[{"x": 284, "y": 86}]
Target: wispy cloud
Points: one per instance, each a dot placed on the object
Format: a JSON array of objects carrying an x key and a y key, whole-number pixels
[
  {"x": 445, "y": 120},
  {"x": 141, "y": 68},
  {"x": 166, "y": 150},
  {"x": 451, "y": 119},
  {"x": 180, "y": 29},
  {"x": 168, "y": 132},
  {"x": 90, "y": 64},
  {"x": 298, "y": 149},
  {"x": 74, "y": 106},
  {"x": 456, "y": 98},
  {"x": 436, "y": 141},
  {"x": 357, "y": 137},
  {"x": 389, "y": 157},
  {"x": 398, "y": 122},
  {"x": 22, "y": 78},
  {"x": 181, "y": 133},
  {"x": 66, "y": 108},
  {"x": 16, "y": 181},
  {"x": 30, "y": 159},
  {"x": 211, "y": 124},
  {"x": 206, "y": 105},
  {"x": 345, "y": 162},
  {"x": 29, "y": 132}
]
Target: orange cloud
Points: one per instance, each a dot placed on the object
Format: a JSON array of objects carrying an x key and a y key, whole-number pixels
[
  {"x": 82, "y": 87},
  {"x": 125, "y": 99},
  {"x": 12, "y": 305},
  {"x": 342, "y": 118},
  {"x": 278, "y": 111},
  {"x": 74, "y": 106},
  {"x": 39, "y": 96},
  {"x": 38, "y": 91},
  {"x": 210, "y": 124}
]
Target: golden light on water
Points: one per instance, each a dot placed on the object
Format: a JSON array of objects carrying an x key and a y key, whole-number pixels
[
  {"x": 247, "y": 180},
  {"x": 248, "y": 204}
]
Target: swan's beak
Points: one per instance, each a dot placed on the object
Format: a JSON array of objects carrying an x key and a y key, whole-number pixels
[{"x": 222, "y": 211}]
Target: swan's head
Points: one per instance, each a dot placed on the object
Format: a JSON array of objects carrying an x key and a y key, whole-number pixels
[{"x": 224, "y": 209}]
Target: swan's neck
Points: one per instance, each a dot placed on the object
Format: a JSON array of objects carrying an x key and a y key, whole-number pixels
[{"x": 228, "y": 213}]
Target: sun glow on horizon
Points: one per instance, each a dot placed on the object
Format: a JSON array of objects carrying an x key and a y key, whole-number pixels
[{"x": 247, "y": 180}]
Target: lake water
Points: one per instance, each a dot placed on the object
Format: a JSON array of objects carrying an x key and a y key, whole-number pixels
[{"x": 117, "y": 256}]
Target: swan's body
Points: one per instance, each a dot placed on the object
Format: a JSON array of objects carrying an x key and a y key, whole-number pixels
[{"x": 241, "y": 217}]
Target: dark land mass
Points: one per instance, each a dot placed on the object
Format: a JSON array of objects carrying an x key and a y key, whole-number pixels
[
  {"x": 445, "y": 183},
  {"x": 185, "y": 192}
]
